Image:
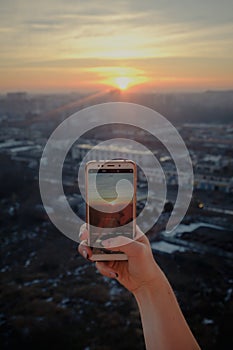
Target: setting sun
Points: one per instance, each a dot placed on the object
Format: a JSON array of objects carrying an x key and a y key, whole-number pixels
[
  {"x": 123, "y": 82},
  {"x": 121, "y": 78}
]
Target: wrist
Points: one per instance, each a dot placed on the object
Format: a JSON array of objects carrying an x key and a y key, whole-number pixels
[{"x": 154, "y": 286}]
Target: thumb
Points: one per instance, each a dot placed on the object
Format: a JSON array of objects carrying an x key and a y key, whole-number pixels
[{"x": 126, "y": 245}]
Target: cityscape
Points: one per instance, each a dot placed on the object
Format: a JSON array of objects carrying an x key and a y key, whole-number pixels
[{"x": 41, "y": 267}]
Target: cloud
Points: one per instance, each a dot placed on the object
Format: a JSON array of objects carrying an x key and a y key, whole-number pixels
[{"x": 79, "y": 35}]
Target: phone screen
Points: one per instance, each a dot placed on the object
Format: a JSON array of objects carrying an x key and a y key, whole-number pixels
[{"x": 111, "y": 204}]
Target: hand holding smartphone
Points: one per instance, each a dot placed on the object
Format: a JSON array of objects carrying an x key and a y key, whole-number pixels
[{"x": 110, "y": 204}]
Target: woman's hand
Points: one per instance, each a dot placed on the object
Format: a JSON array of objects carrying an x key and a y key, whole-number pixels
[{"x": 138, "y": 271}]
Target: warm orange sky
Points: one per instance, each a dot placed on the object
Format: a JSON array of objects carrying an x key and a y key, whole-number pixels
[{"x": 60, "y": 45}]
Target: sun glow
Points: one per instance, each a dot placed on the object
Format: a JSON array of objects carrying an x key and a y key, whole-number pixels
[
  {"x": 123, "y": 82},
  {"x": 122, "y": 78}
]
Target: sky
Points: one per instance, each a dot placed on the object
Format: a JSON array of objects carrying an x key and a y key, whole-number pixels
[{"x": 89, "y": 45}]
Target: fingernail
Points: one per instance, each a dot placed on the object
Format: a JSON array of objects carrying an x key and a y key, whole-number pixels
[
  {"x": 113, "y": 274},
  {"x": 106, "y": 243},
  {"x": 85, "y": 255}
]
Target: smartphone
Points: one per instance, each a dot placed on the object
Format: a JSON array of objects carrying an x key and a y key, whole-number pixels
[{"x": 110, "y": 204}]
